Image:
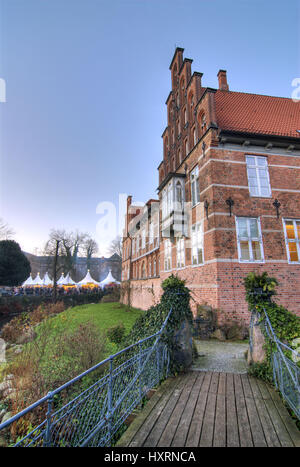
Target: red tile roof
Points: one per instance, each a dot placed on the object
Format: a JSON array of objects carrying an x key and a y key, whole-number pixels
[{"x": 253, "y": 113}]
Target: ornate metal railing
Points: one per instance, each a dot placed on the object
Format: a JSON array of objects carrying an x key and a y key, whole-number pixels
[
  {"x": 286, "y": 373},
  {"x": 90, "y": 409}
]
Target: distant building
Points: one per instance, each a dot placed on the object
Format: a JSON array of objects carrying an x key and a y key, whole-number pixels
[
  {"x": 99, "y": 267},
  {"x": 229, "y": 197}
]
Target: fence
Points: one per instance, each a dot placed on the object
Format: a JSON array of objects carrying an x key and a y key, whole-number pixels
[
  {"x": 90, "y": 409},
  {"x": 286, "y": 373}
]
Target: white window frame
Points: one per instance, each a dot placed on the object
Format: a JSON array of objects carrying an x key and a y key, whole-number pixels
[
  {"x": 249, "y": 239},
  {"x": 180, "y": 252},
  {"x": 167, "y": 254},
  {"x": 197, "y": 243},
  {"x": 258, "y": 167},
  {"x": 295, "y": 240},
  {"x": 195, "y": 188}
]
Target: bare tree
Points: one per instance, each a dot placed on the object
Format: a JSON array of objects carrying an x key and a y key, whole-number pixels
[
  {"x": 89, "y": 248},
  {"x": 116, "y": 247},
  {"x": 6, "y": 232}
]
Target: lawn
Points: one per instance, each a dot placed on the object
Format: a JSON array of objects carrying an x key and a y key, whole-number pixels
[{"x": 102, "y": 315}]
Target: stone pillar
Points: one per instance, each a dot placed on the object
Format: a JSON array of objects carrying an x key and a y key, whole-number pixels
[
  {"x": 257, "y": 354},
  {"x": 184, "y": 343}
]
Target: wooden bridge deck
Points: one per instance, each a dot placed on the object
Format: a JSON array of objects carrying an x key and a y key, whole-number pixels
[{"x": 212, "y": 409}]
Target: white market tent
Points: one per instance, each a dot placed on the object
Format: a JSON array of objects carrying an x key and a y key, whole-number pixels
[
  {"x": 61, "y": 280},
  {"x": 46, "y": 280},
  {"x": 109, "y": 280},
  {"x": 88, "y": 280},
  {"x": 37, "y": 280},
  {"x": 28, "y": 282},
  {"x": 69, "y": 280}
]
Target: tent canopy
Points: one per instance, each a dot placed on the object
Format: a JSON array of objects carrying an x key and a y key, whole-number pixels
[
  {"x": 46, "y": 280},
  {"x": 37, "y": 280},
  {"x": 28, "y": 282},
  {"x": 88, "y": 280},
  {"x": 109, "y": 280}
]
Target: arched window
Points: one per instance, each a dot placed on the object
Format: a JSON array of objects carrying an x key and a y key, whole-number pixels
[
  {"x": 154, "y": 268},
  {"x": 179, "y": 195},
  {"x": 185, "y": 116},
  {"x": 194, "y": 136},
  {"x": 143, "y": 270},
  {"x": 186, "y": 146},
  {"x": 203, "y": 123}
]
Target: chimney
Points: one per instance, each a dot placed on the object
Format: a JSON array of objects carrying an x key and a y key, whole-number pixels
[{"x": 222, "y": 77}]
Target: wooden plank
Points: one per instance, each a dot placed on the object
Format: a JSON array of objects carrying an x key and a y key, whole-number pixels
[
  {"x": 281, "y": 431},
  {"x": 214, "y": 383},
  {"x": 197, "y": 420},
  {"x": 267, "y": 425},
  {"x": 242, "y": 415},
  {"x": 146, "y": 421},
  {"x": 286, "y": 418},
  {"x": 246, "y": 387},
  {"x": 170, "y": 429},
  {"x": 163, "y": 392},
  {"x": 181, "y": 433},
  {"x": 232, "y": 431},
  {"x": 207, "y": 433},
  {"x": 255, "y": 424},
  {"x": 263, "y": 389},
  {"x": 255, "y": 388},
  {"x": 219, "y": 439},
  {"x": 222, "y": 384}
]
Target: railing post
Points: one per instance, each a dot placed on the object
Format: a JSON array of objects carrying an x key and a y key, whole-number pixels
[
  {"x": 109, "y": 397},
  {"x": 48, "y": 435}
]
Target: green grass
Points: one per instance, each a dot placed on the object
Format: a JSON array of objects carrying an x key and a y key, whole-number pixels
[{"x": 102, "y": 315}]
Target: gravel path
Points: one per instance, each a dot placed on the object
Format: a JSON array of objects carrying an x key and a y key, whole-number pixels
[{"x": 228, "y": 357}]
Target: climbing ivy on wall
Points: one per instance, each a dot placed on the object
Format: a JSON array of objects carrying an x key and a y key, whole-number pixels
[
  {"x": 176, "y": 296},
  {"x": 259, "y": 292}
]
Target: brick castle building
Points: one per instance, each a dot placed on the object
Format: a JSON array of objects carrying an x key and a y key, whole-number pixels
[{"x": 229, "y": 198}]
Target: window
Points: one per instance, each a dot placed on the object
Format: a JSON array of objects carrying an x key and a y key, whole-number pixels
[
  {"x": 168, "y": 254},
  {"x": 194, "y": 137},
  {"x": 185, "y": 115},
  {"x": 186, "y": 147},
  {"x": 167, "y": 202},
  {"x": 203, "y": 123},
  {"x": 143, "y": 270},
  {"x": 250, "y": 247},
  {"x": 179, "y": 195},
  {"x": 292, "y": 240},
  {"x": 154, "y": 268},
  {"x": 197, "y": 243},
  {"x": 180, "y": 252},
  {"x": 133, "y": 246},
  {"x": 258, "y": 176},
  {"x": 195, "y": 190},
  {"x": 151, "y": 233}
]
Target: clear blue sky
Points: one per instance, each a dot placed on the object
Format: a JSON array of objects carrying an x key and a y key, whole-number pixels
[{"x": 87, "y": 82}]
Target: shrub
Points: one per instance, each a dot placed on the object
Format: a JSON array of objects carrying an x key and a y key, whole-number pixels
[
  {"x": 116, "y": 333},
  {"x": 286, "y": 325},
  {"x": 175, "y": 296},
  {"x": 47, "y": 363},
  {"x": 14, "y": 329}
]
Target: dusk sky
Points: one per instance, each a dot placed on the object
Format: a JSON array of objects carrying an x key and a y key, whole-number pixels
[{"x": 86, "y": 85}]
